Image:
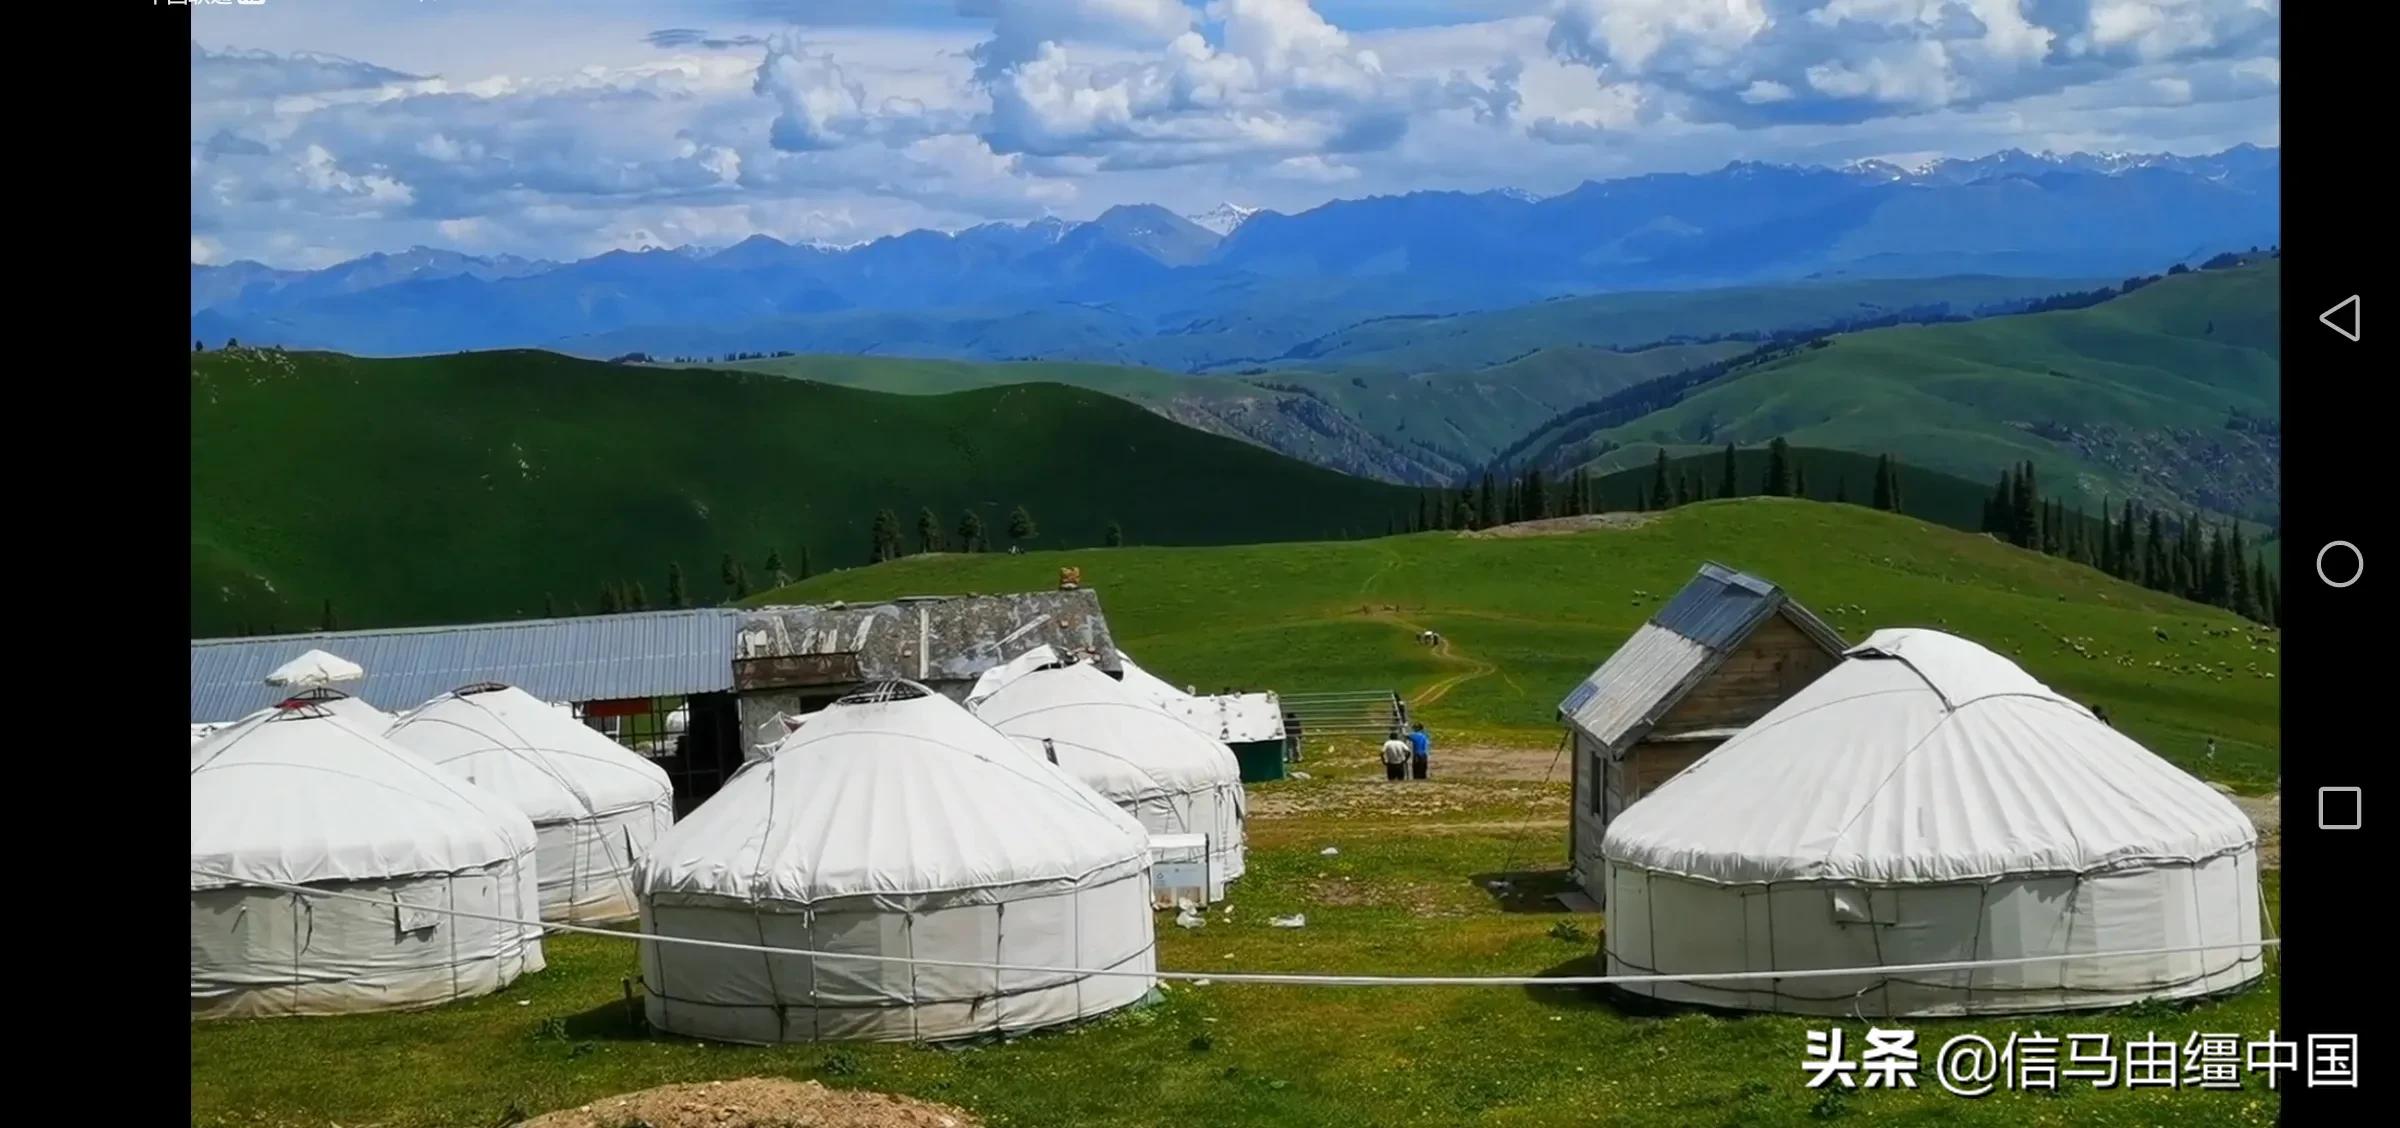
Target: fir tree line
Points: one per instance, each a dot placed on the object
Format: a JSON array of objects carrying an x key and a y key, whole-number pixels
[
  {"x": 1533, "y": 496},
  {"x": 2183, "y": 556}
]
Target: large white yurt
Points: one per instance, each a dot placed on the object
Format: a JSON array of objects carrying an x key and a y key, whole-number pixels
[
  {"x": 895, "y": 824},
  {"x": 1927, "y": 801},
  {"x": 596, "y": 805},
  {"x": 298, "y": 796},
  {"x": 1166, "y": 773}
]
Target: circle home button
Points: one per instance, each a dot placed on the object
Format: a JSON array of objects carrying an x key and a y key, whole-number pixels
[{"x": 2340, "y": 564}]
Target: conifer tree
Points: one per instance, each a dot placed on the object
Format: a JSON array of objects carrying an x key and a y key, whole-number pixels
[
  {"x": 1021, "y": 526},
  {"x": 1799, "y": 478},
  {"x": 677, "y": 596},
  {"x": 929, "y": 531},
  {"x": 1662, "y": 491},
  {"x": 1729, "y": 483},
  {"x": 1113, "y": 536},
  {"x": 775, "y": 573},
  {"x": 1779, "y": 469},
  {"x": 1883, "y": 482},
  {"x": 2129, "y": 563},
  {"x": 1841, "y": 489}
]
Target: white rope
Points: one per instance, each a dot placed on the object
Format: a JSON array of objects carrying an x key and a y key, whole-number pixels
[{"x": 1286, "y": 978}]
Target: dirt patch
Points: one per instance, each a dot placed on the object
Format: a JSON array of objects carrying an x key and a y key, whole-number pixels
[
  {"x": 756, "y": 1102},
  {"x": 2266, "y": 813},
  {"x": 1483, "y": 761},
  {"x": 1421, "y": 801},
  {"x": 1564, "y": 526}
]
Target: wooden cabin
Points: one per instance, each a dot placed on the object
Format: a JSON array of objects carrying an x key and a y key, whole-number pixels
[{"x": 1723, "y": 652}]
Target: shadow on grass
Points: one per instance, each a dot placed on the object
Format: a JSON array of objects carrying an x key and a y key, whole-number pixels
[
  {"x": 613, "y": 1021},
  {"x": 1526, "y": 891}
]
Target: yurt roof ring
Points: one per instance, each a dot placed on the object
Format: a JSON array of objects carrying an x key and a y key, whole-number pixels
[
  {"x": 472, "y": 688},
  {"x": 895, "y": 689}
]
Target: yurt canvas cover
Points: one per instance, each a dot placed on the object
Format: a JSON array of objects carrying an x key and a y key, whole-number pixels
[
  {"x": 298, "y": 796},
  {"x": 596, "y": 805},
  {"x": 895, "y": 824},
  {"x": 1155, "y": 766},
  {"x": 1928, "y": 801}
]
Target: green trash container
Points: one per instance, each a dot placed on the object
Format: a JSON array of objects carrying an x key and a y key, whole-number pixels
[{"x": 1261, "y": 760}]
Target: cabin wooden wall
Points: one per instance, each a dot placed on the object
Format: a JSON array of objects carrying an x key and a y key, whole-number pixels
[{"x": 1775, "y": 662}]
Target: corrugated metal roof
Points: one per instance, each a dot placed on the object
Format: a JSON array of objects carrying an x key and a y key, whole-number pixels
[
  {"x": 1641, "y": 680},
  {"x": 642, "y": 654},
  {"x": 962, "y": 635},
  {"x": 1679, "y": 646}
]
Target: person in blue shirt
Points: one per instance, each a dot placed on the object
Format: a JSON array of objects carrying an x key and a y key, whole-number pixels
[{"x": 1420, "y": 750}]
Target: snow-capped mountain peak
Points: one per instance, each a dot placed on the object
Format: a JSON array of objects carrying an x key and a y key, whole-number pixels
[{"x": 1222, "y": 218}]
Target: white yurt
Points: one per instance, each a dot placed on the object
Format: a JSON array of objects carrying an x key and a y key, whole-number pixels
[
  {"x": 298, "y": 796},
  {"x": 1146, "y": 685},
  {"x": 895, "y": 824},
  {"x": 1166, "y": 773},
  {"x": 596, "y": 805},
  {"x": 1927, "y": 801}
]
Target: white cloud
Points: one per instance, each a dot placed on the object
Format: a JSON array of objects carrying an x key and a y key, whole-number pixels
[{"x": 615, "y": 133}]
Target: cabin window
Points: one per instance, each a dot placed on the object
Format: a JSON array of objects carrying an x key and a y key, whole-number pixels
[{"x": 1598, "y": 775}]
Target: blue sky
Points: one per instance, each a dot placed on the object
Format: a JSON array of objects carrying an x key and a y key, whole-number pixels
[{"x": 326, "y": 129}]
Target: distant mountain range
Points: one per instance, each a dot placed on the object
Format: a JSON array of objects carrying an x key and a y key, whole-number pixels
[{"x": 1141, "y": 284}]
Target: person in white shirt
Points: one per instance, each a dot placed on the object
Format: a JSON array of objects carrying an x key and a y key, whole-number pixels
[{"x": 1395, "y": 757}]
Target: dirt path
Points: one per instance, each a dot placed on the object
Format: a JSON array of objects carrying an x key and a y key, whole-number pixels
[
  {"x": 756, "y": 1102},
  {"x": 1440, "y": 689}
]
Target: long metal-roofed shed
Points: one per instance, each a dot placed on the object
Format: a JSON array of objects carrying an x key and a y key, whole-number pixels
[
  {"x": 660, "y": 682},
  {"x": 1722, "y": 653},
  {"x": 796, "y": 660}
]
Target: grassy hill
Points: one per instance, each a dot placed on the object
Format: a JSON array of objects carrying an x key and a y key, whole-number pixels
[
  {"x": 470, "y": 486},
  {"x": 2132, "y": 397},
  {"x": 1529, "y": 616},
  {"x": 1626, "y": 320},
  {"x": 1829, "y": 475},
  {"x": 1421, "y": 427}
]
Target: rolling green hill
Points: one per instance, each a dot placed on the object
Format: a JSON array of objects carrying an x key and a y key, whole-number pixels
[
  {"x": 1829, "y": 475},
  {"x": 1629, "y": 320},
  {"x": 473, "y": 485},
  {"x": 1528, "y": 616},
  {"x": 1420, "y": 428},
  {"x": 2138, "y": 396}
]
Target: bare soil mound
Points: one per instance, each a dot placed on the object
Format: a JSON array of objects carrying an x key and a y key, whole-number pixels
[
  {"x": 756, "y": 1102},
  {"x": 1562, "y": 526}
]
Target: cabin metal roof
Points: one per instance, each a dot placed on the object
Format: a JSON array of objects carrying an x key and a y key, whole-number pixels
[
  {"x": 962, "y": 636},
  {"x": 587, "y": 658},
  {"x": 1687, "y": 640}
]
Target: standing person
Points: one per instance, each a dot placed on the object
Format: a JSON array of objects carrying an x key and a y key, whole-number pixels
[
  {"x": 1420, "y": 750},
  {"x": 1395, "y": 758}
]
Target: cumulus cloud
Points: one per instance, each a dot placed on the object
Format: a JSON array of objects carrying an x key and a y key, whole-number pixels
[
  {"x": 807, "y": 121},
  {"x": 1758, "y": 62},
  {"x": 1273, "y": 81}
]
